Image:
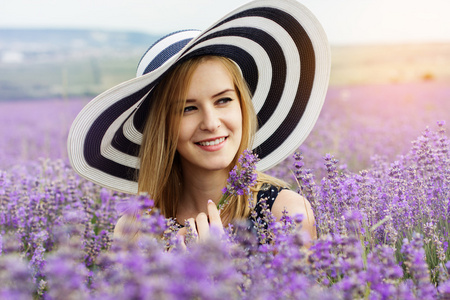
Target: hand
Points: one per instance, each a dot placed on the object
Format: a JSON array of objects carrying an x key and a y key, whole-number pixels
[{"x": 200, "y": 225}]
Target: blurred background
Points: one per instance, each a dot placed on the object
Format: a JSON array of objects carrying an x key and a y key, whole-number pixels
[{"x": 390, "y": 68}]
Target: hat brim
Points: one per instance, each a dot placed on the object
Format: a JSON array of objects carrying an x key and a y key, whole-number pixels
[{"x": 284, "y": 56}]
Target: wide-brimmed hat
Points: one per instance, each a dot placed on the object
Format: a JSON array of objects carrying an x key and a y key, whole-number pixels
[{"x": 283, "y": 54}]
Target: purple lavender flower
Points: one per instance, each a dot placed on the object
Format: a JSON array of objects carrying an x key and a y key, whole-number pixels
[
  {"x": 383, "y": 272},
  {"x": 417, "y": 267},
  {"x": 54, "y": 224},
  {"x": 242, "y": 177},
  {"x": 65, "y": 276},
  {"x": 191, "y": 236},
  {"x": 444, "y": 290},
  {"x": 15, "y": 278}
]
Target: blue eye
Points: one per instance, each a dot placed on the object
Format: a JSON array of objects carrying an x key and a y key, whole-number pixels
[
  {"x": 189, "y": 108},
  {"x": 224, "y": 100}
]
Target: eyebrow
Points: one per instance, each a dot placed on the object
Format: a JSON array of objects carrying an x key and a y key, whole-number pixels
[{"x": 216, "y": 95}]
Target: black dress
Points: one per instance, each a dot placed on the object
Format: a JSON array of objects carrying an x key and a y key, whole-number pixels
[
  {"x": 255, "y": 221},
  {"x": 268, "y": 192}
]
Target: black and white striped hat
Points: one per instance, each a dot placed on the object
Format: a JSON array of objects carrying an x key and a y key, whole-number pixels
[{"x": 283, "y": 54}]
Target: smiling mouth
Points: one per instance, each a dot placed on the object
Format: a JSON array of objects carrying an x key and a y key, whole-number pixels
[{"x": 212, "y": 143}]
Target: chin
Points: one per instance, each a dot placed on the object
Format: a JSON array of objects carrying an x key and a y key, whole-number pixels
[{"x": 219, "y": 166}]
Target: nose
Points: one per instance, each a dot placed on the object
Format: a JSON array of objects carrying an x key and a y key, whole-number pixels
[{"x": 211, "y": 120}]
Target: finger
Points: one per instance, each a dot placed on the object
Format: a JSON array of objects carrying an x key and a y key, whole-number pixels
[
  {"x": 202, "y": 226},
  {"x": 181, "y": 242},
  {"x": 214, "y": 216},
  {"x": 182, "y": 231}
]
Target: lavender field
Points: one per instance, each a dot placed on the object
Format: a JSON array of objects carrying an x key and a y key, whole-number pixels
[{"x": 375, "y": 168}]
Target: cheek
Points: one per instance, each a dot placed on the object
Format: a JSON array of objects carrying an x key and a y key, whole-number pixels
[
  {"x": 184, "y": 132},
  {"x": 237, "y": 123},
  {"x": 239, "y": 118}
]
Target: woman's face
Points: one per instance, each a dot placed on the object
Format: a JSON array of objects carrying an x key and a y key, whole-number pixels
[{"x": 211, "y": 126}]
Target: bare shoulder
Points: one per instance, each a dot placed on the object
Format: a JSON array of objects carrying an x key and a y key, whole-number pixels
[
  {"x": 292, "y": 202},
  {"x": 127, "y": 227},
  {"x": 123, "y": 220}
]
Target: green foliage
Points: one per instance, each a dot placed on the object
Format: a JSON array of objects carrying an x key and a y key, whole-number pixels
[{"x": 87, "y": 76}]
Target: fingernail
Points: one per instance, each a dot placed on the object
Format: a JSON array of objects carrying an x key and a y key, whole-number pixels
[{"x": 210, "y": 201}]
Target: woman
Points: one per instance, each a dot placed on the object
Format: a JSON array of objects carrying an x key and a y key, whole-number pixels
[{"x": 177, "y": 130}]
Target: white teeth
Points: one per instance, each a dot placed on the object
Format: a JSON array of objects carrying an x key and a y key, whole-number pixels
[{"x": 212, "y": 143}]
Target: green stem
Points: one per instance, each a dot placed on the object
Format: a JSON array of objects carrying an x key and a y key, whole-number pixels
[{"x": 222, "y": 200}]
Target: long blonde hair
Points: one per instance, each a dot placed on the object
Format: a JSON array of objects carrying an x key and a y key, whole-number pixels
[{"x": 160, "y": 171}]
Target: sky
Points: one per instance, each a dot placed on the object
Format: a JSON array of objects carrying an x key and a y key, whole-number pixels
[{"x": 344, "y": 21}]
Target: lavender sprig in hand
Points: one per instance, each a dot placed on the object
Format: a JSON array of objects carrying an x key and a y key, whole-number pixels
[{"x": 242, "y": 177}]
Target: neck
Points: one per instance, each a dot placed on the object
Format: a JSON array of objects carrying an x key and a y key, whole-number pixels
[{"x": 199, "y": 186}]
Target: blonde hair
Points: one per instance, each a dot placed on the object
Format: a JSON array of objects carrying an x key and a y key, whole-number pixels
[{"x": 160, "y": 171}]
